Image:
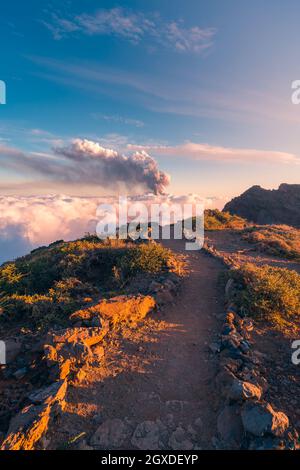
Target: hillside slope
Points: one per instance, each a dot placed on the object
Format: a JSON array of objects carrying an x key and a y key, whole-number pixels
[{"x": 263, "y": 206}]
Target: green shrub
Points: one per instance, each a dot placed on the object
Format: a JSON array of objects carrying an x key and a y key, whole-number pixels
[
  {"x": 64, "y": 298},
  {"x": 10, "y": 278},
  {"x": 146, "y": 257},
  {"x": 269, "y": 293},
  {"x": 50, "y": 283},
  {"x": 219, "y": 220},
  {"x": 17, "y": 307}
]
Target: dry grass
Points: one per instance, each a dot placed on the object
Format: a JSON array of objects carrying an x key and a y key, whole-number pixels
[
  {"x": 270, "y": 294},
  {"x": 278, "y": 240}
]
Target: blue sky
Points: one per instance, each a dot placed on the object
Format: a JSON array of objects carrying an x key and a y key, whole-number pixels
[{"x": 202, "y": 86}]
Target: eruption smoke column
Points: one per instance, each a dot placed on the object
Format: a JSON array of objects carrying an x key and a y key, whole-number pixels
[{"x": 96, "y": 164}]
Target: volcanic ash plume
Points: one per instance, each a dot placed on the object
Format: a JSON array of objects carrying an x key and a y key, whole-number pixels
[{"x": 98, "y": 165}]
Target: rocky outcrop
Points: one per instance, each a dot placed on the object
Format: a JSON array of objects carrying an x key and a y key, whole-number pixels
[
  {"x": 87, "y": 336},
  {"x": 28, "y": 426},
  {"x": 61, "y": 358},
  {"x": 263, "y": 206},
  {"x": 65, "y": 353},
  {"x": 129, "y": 309},
  {"x": 260, "y": 419}
]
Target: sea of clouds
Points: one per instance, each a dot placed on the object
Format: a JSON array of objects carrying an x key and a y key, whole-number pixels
[{"x": 27, "y": 222}]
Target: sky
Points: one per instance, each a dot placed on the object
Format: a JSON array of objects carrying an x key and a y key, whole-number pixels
[{"x": 195, "y": 95}]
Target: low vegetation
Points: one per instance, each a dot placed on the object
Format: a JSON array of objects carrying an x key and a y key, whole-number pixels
[
  {"x": 219, "y": 220},
  {"x": 268, "y": 293},
  {"x": 278, "y": 240},
  {"x": 50, "y": 283}
]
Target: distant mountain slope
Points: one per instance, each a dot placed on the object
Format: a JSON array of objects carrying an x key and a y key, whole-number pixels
[{"x": 263, "y": 206}]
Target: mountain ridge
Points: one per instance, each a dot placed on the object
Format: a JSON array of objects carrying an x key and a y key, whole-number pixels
[{"x": 268, "y": 206}]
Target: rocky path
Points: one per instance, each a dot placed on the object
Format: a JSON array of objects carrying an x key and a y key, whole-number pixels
[{"x": 155, "y": 387}]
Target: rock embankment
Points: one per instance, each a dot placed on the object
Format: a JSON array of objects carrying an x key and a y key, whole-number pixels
[{"x": 246, "y": 420}]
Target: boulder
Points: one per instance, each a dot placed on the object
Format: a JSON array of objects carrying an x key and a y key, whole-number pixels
[
  {"x": 179, "y": 440},
  {"x": 71, "y": 346},
  {"x": 87, "y": 336},
  {"x": 241, "y": 390},
  {"x": 123, "y": 308},
  {"x": 13, "y": 347},
  {"x": 80, "y": 376},
  {"x": 149, "y": 435},
  {"x": 224, "y": 381},
  {"x": 64, "y": 369},
  {"x": 83, "y": 315},
  {"x": 247, "y": 324},
  {"x": 79, "y": 353},
  {"x": 20, "y": 373},
  {"x": 233, "y": 365},
  {"x": 255, "y": 378},
  {"x": 54, "y": 393},
  {"x": 230, "y": 427},
  {"x": 230, "y": 316},
  {"x": 50, "y": 355},
  {"x": 27, "y": 427},
  {"x": 112, "y": 434},
  {"x": 231, "y": 344},
  {"x": 244, "y": 347},
  {"x": 260, "y": 419},
  {"x": 98, "y": 353},
  {"x": 130, "y": 309}
]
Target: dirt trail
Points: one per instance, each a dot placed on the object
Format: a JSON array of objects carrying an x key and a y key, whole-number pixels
[
  {"x": 162, "y": 371},
  {"x": 230, "y": 242}
]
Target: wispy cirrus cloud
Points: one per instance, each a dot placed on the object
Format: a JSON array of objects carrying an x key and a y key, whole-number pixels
[
  {"x": 181, "y": 95},
  {"x": 119, "y": 119},
  {"x": 133, "y": 27}
]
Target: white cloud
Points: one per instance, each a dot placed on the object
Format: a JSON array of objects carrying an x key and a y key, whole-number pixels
[
  {"x": 134, "y": 27},
  {"x": 189, "y": 39},
  {"x": 204, "y": 151},
  {"x": 27, "y": 222}
]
